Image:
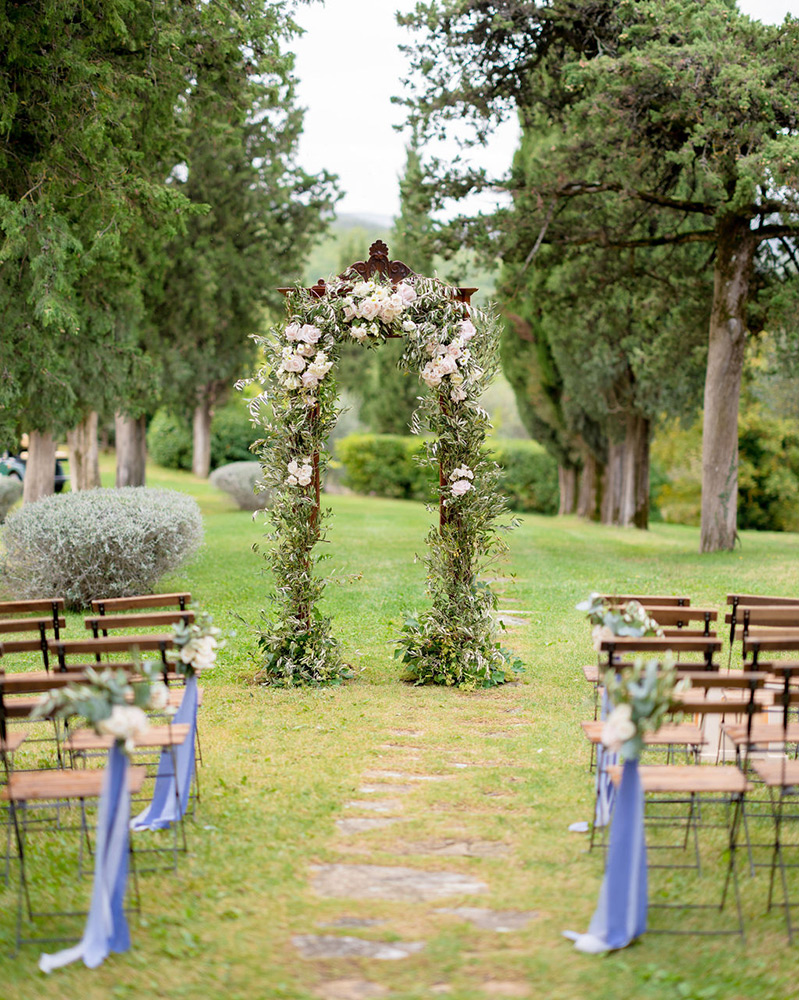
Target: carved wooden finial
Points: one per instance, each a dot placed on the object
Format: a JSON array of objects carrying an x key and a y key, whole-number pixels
[{"x": 378, "y": 263}]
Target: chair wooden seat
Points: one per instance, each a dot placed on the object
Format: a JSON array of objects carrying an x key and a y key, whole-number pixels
[
  {"x": 777, "y": 773},
  {"x": 688, "y": 778},
  {"x": 155, "y": 737},
  {"x": 762, "y": 732},
  {"x": 12, "y": 742},
  {"x": 667, "y": 735},
  {"x": 46, "y": 786},
  {"x": 591, "y": 673}
]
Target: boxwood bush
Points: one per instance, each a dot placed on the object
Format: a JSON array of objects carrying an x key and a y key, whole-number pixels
[
  {"x": 238, "y": 480},
  {"x": 385, "y": 465},
  {"x": 98, "y": 543}
]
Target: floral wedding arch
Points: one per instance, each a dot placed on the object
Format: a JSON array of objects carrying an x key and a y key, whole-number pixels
[{"x": 453, "y": 348}]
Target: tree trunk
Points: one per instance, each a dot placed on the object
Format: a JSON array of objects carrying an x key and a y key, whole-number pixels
[
  {"x": 84, "y": 461},
  {"x": 131, "y": 450},
  {"x": 735, "y": 249},
  {"x": 40, "y": 467},
  {"x": 634, "y": 471},
  {"x": 589, "y": 498},
  {"x": 201, "y": 437},
  {"x": 567, "y": 485},
  {"x": 613, "y": 484}
]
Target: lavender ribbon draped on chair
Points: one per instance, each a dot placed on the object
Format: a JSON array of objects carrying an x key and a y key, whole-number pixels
[
  {"x": 605, "y": 789},
  {"x": 621, "y": 913},
  {"x": 169, "y": 800},
  {"x": 106, "y": 927}
]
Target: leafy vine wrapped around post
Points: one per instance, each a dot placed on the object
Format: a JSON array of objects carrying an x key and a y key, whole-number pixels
[{"x": 454, "y": 351}]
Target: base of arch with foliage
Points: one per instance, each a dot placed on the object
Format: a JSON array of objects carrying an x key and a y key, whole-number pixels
[{"x": 453, "y": 349}]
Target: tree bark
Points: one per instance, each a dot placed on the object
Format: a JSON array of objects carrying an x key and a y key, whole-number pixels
[
  {"x": 131, "y": 450},
  {"x": 40, "y": 467},
  {"x": 84, "y": 461},
  {"x": 567, "y": 486},
  {"x": 634, "y": 473},
  {"x": 612, "y": 484},
  {"x": 201, "y": 437},
  {"x": 735, "y": 248},
  {"x": 589, "y": 496}
]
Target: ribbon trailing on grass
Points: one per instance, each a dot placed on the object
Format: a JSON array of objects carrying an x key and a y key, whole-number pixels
[
  {"x": 620, "y": 916},
  {"x": 170, "y": 800},
  {"x": 106, "y": 927}
]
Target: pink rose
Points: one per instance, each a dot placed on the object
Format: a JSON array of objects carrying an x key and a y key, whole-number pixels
[{"x": 406, "y": 292}]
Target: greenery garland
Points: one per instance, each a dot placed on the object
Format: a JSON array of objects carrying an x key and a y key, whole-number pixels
[{"x": 454, "y": 351}]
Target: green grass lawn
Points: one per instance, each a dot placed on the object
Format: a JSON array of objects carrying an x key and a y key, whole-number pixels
[{"x": 280, "y": 766}]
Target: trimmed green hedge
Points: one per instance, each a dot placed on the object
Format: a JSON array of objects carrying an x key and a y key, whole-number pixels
[{"x": 385, "y": 465}]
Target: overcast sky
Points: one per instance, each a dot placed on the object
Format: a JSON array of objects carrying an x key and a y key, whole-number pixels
[{"x": 349, "y": 66}]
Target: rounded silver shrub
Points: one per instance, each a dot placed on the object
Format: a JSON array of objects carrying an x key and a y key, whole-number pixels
[
  {"x": 238, "y": 480},
  {"x": 99, "y": 543}
]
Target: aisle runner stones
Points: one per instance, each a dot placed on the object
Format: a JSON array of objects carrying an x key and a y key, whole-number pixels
[
  {"x": 376, "y": 805},
  {"x": 501, "y": 921},
  {"x": 455, "y": 848},
  {"x": 352, "y": 826},
  {"x": 401, "y": 885},
  {"x": 329, "y": 946}
]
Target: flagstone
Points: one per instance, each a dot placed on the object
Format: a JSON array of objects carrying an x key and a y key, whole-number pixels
[
  {"x": 385, "y": 789},
  {"x": 501, "y": 921},
  {"x": 332, "y": 946},
  {"x": 500, "y": 988},
  {"x": 364, "y": 824},
  {"x": 375, "y": 805},
  {"x": 405, "y": 776},
  {"x": 389, "y": 882},
  {"x": 455, "y": 848}
]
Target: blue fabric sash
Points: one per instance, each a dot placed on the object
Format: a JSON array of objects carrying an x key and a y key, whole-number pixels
[
  {"x": 106, "y": 927},
  {"x": 621, "y": 913},
  {"x": 605, "y": 789},
  {"x": 169, "y": 800}
]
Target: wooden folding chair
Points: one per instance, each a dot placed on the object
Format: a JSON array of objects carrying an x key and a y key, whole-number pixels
[
  {"x": 692, "y": 785},
  {"x": 739, "y": 602},
  {"x": 17, "y": 618},
  {"x": 56, "y": 789}
]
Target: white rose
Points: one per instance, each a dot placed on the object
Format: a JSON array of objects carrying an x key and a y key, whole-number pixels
[
  {"x": 618, "y": 728},
  {"x": 406, "y": 292},
  {"x": 446, "y": 365},
  {"x": 349, "y": 311},
  {"x": 309, "y": 334},
  {"x": 369, "y": 308},
  {"x": 292, "y": 362},
  {"x": 460, "y": 487},
  {"x": 320, "y": 366},
  {"x": 431, "y": 375},
  {"x": 306, "y": 350},
  {"x": 467, "y": 330},
  {"x": 159, "y": 697},
  {"x": 126, "y": 722},
  {"x": 359, "y": 332},
  {"x": 462, "y": 472},
  {"x": 290, "y": 381},
  {"x": 454, "y": 350},
  {"x": 391, "y": 308},
  {"x": 409, "y": 326},
  {"x": 363, "y": 288},
  {"x": 293, "y": 331}
]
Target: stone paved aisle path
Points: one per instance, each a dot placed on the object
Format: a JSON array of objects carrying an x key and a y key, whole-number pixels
[{"x": 417, "y": 853}]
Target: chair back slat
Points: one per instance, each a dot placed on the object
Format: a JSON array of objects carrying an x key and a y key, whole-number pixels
[
  {"x": 105, "y": 606},
  {"x": 154, "y": 619},
  {"x": 649, "y": 600}
]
